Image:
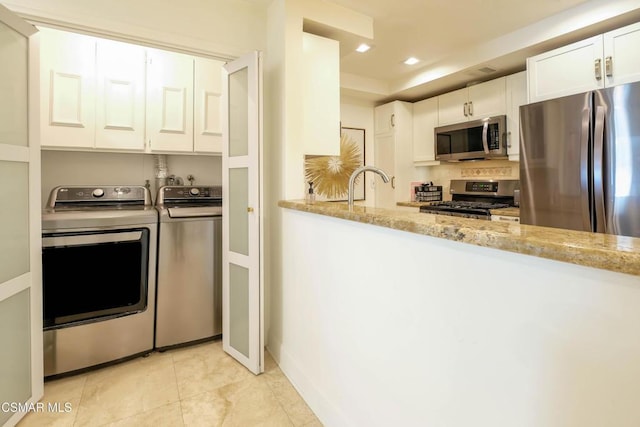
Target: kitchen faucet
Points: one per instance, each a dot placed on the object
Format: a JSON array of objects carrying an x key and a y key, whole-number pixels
[{"x": 354, "y": 175}]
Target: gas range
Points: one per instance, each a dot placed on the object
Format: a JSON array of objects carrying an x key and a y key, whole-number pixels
[{"x": 475, "y": 199}]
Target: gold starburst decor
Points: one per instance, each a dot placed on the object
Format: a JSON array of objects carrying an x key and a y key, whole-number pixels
[{"x": 330, "y": 174}]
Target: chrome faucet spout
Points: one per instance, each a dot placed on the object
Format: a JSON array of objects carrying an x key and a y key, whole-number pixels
[{"x": 354, "y": 176}]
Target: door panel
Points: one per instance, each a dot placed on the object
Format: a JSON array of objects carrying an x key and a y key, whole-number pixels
[
  {"x": 242, "y": 291},
  {"x": 21, "y": 371}
]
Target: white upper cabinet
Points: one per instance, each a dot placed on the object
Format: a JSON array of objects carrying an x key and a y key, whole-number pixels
[
  {"x": 169, "y": 101},
  {"x": 68, "y": 89},
  {"x": 622, "y": 55},
  {"x": 516, "y": 96},
  {"x": 472, "y": 103},
  {"x": 108, "y": 95},
  {"x": 385, "y": 118},
  {"x": 605, "y": 60},
  {"x": 120, "y": 96},
  {"x": 207, "y": 106},
  {"x": 321, "y": 95},
  {"x": 567, "y": 70},
  {"x": 425, "y": 119}
]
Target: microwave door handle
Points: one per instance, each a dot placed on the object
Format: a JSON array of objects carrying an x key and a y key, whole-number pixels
[
  {"x": 485, "y": 144},
  {"x": 584, "y": 171},
  {"x": 598, "y": 182}
]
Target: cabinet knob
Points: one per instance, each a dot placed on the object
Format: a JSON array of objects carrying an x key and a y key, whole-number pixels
[{"x": 250, "y": 209}]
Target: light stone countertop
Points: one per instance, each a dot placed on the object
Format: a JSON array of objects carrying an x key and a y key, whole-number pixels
[{"x": 614, "y": 253}]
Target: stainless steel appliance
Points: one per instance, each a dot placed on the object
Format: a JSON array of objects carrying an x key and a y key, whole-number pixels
[
  {"x": 98, "y": 273},
  {"x": 580, "y": 161},
  {"x": 189, "y": 303},
  {"x": 477, "y": 139},
  {"x": 475, "y": 199}
]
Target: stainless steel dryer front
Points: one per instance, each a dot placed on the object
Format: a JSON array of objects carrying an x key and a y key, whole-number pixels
[
  {"x": 189, "y": 302},
  {"x": 99, "y": 276}
]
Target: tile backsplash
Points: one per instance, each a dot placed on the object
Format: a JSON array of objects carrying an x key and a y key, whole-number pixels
[{"x": 481, "y": 169}]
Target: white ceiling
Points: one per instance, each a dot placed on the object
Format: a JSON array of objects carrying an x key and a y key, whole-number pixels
[{"x": 442, "y": 31}]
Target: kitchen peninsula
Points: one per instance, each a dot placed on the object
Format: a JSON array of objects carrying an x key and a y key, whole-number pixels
[
  {"x": 511, "y": 322},
  {"x": 608, "y": 252}
]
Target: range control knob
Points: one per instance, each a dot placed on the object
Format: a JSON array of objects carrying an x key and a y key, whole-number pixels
[
  {"x": 194, "y": 191},
  {"x": 98, "y": 192}
]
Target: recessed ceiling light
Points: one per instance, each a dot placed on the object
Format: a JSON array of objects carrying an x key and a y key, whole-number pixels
[
  {"x": 363, "y": 48},
  {"x": 411, "y": 61}
]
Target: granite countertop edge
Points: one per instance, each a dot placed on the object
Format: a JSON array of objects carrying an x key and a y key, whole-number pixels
[{"x": 614, "y": 253}]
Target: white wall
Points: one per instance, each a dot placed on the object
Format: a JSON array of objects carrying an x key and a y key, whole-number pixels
[
  {"x": 86, "y": 168},
  {"x": 357, "y": 113},
  {"x": 380, "y": 327}
]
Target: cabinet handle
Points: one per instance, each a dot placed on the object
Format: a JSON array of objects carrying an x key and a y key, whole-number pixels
[
  {"x": 471, "y": 108},
  {"x": 393, "y": 182},
  {"x": 464, "y": 109},
  {"x": 393, "y": 120},
  {"x": 509, "y": 139},
  {"x": 608, "y": 66},
  {"x": 598, "y": 68}
]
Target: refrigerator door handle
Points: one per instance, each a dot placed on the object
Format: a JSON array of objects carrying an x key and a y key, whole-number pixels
[
  {"x": 598, "y": 179},
  {"x": 584, "y": 170},
  {"x": 485, "y": 144}
]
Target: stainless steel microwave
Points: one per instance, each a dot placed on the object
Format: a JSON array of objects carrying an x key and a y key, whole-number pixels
[{"x": 477, "y": 139}]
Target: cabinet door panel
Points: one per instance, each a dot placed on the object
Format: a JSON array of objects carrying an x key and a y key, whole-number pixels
[
  {"x": 425, "y": 119},
  {"x": 207, "y": 110},
  {"x": 566, "y": 70},
  {"x": 487, "y": 99},
  {"x": 621, "y": 48},
  {"x": 67, "y": 81},
  {"x": 170, "y": 101},
  {"x": 385, "y": 160},
  {"x": 120, "y": 97},
  {"x": 321, "y": 95},
  {"x": 384, "y": 118},
  {"x": 451, "y": 107}
]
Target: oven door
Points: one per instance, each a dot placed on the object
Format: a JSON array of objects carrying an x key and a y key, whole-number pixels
[{"x": 93, "y": 275}]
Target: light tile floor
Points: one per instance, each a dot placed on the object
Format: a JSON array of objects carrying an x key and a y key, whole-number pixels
[{"x": 190, "y": 386}]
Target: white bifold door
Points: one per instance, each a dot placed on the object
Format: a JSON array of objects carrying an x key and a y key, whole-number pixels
[
  {"x": 242, "y": 276},
  {"x": 21, "y": 371}
]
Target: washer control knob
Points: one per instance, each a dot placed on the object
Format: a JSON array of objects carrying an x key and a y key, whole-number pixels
[
  {"x": 194, "y": 191},
  {"x": 98, "y": 192}
]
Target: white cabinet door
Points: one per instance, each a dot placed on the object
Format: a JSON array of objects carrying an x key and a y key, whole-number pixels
[
  {"x": 425, "y": 119},
  {"x": 169, "y": 101},
  {"x": 67, "y": 81},
  {"x": 516, "y": 96},
  {"x": 321, "y": 95},
  {"x": 384, "y": 118},
  {"x": 622, "y": 55},
  {"x": 207, "y": 106},
  {"x": 567, "y": 70},
  {"x": 384, "y": 155},
  {"x": 452, "y": 107},
  {"x": 487, "y": 99},
  {"x": 120, "y": 95}
]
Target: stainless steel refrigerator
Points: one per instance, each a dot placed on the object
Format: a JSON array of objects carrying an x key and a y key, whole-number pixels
[{"x": 580, "y": 161}]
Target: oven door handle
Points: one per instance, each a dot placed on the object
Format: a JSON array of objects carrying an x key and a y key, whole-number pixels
[{"x": 89, "y": 239}]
